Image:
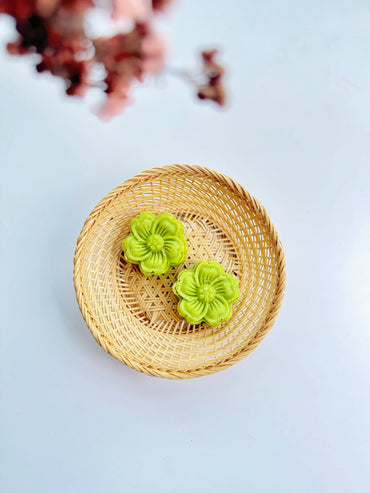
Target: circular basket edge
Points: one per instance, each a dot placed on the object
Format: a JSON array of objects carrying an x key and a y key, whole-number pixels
[{"x": 275, "y": 305}]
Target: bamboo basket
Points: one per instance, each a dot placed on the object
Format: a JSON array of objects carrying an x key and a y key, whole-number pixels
[{"x": 134, "y": 317}]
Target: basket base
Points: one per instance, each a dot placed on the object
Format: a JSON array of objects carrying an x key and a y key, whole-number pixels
[{"x": 151, "y": 298}]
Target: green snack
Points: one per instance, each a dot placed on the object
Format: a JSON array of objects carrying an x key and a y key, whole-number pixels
[
  {"x": 155, "y": 243},
  {"x": 206, "y": 293}
]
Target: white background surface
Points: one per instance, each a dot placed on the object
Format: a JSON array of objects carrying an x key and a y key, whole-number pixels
[{"x": 295, "y": 415}]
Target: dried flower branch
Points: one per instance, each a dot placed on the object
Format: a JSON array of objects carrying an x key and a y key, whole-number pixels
[
  {"x": 54, "y": 29},
  {"x": 213, "y": 89}
]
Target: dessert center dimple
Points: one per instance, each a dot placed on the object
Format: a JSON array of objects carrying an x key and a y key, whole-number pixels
[
  {"x": 155, "y": 243},
  {"x": 206, "y": 293}
]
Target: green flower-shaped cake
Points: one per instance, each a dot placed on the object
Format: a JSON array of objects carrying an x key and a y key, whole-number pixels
[
  {"x": 206, "y": 293},
  {"x": 156, "y": 243}
]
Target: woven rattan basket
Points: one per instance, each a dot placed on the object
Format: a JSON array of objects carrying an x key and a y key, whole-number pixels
[{"x": 134, "y": 317}]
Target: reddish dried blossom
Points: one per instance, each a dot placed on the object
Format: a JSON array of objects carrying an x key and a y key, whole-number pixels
[
  {"x": 19, "y": 9},
  {"x": 161, "y": 5},
  {"x": 134, "y": 53},
  {"x": 54, "y": 29},
  {"x": 78, "y": 6},
  {"x": 57, "y": 37},
  {"x": 74, "y": 72},
  {"x": 213, "y": 89},
  {"x": 126, "y": 58}
]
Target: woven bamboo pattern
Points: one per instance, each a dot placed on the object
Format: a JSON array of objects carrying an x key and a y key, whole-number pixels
[{"x": 134, "y": 317}]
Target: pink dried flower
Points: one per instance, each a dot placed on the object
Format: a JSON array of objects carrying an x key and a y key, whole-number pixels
[
  {"x": 45, "y": 8},
  {"x": 113, "y": 106},
  {"x": 154, "y": 49},
  {"x": 135, "y": 9}
]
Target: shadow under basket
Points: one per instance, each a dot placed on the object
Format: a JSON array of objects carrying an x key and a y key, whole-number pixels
[{"x": 134, "y": 317}]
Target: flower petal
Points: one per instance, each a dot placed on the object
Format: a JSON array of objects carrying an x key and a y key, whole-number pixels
[
  {"x": 155, "y": 263},
  {"x": 208, "y": 271},
  {"x": 141, "y": 226},
  {"x": 227, "y": 287},
  {"x": 218, "y": 311},
  {"x": 185, "y": 286},
  {"x": 176, "y": 249},
  {"x": 167, "y": 225},
  {"x": 135, "y": 250},
  {"x": 192, "y": 310}
]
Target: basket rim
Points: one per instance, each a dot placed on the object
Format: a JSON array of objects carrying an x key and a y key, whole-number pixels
[{"x": 276, "y": 303}]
